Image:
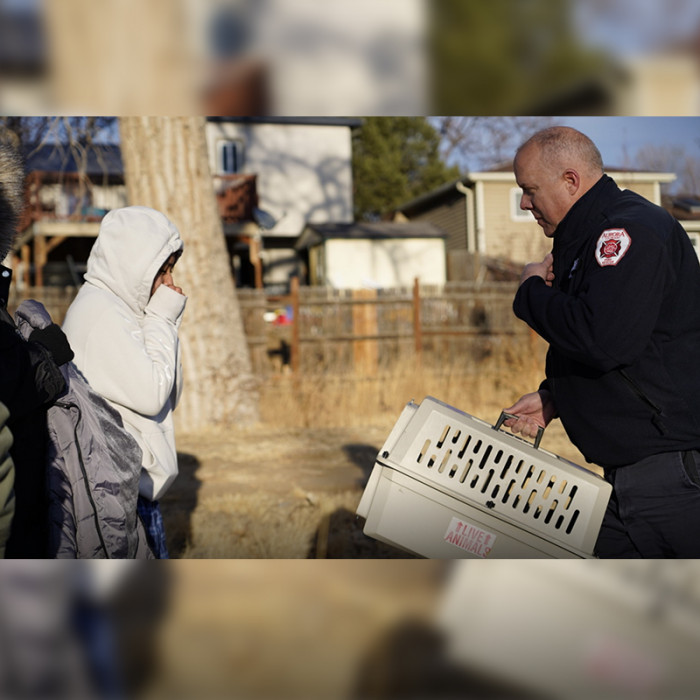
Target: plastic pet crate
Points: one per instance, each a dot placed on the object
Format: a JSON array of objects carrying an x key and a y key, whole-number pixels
[{"x": 448, "y": 485}]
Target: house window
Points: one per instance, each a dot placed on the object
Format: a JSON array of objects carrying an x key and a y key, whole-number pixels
[
  {"x": 516, "y": 213},
  {"x": 230, "y": 157}
]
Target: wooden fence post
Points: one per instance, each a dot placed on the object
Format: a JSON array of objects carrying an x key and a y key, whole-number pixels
[
  {"x": 294, "y": 359},
  {"x": 417, "y": 330}
]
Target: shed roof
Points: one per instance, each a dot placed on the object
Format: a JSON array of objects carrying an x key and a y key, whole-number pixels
[
  {"x": 314, "y": 234},
  {"x": 683, "y": 207}
]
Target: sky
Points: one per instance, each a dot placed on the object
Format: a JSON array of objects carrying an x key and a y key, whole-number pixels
[
  {"x": 620, "y": 138},
  {"x": 633, "y": 27},
  {"x": 620, "y": 141}
]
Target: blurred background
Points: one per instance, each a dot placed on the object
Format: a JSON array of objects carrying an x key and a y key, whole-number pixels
[
  {"x": 239, "y": 57},
  {"x": 361, "y": 629}
]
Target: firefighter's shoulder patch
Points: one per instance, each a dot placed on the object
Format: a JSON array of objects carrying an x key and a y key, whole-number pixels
[{"x": 611, "y": 247}]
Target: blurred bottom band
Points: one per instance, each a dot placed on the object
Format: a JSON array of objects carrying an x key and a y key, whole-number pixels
[{"x": 349, "y": 629}]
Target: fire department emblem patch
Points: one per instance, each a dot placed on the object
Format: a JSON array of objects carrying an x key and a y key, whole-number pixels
[{"x": 612, "y": 246}]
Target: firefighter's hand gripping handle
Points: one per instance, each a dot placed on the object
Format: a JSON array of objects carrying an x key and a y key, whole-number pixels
[{"x": 504, "y": 416}]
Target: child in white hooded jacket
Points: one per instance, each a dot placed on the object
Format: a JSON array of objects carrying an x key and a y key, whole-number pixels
[{"x": 123, "y": 328}]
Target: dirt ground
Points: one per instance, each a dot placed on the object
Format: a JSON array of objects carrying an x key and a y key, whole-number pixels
[{"x": 283, "y": 493}]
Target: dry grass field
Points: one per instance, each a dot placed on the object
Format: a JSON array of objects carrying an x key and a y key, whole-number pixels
[{"x": 288, "y": 488}]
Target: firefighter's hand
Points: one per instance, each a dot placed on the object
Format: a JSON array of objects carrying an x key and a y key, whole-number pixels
[
  {"x": 543, "y": 269},
  {"x": 533, "y": 411}
]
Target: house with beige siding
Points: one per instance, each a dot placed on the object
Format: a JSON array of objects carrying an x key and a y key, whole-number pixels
[{"x": 487, "y": 230}]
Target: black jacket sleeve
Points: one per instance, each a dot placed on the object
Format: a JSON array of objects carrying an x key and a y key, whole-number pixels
[{"x": 609, "y": 319}]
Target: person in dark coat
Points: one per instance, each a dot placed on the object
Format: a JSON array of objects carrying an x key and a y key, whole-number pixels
[
  {"x": 30, "y": 380},
  {"x": 618, "y": 300}
]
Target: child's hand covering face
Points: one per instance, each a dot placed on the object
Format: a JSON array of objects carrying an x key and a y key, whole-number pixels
[{"x": 165, "y": 275}]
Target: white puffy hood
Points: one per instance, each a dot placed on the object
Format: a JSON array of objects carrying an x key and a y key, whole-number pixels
[{"x": 132, "y": 245}]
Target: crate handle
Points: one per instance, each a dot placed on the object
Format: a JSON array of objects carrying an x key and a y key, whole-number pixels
[{"x": 502, "y": 418}]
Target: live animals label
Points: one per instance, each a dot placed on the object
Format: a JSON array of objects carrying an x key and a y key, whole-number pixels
[{"x": 470, "y": 538}]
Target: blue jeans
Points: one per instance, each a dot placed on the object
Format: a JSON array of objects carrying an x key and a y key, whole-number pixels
[
  {"x": 149, "y": 512},
  {"x": 654, "y": 509}
]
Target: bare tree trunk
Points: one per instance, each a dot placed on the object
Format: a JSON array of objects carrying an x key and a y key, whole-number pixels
[{"x": 166, "y": 167}]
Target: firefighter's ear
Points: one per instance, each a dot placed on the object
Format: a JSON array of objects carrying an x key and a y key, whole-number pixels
[{"x": 572, "y": 180}]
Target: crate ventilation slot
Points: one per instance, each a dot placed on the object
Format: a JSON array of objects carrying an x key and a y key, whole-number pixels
[{"x": 492, "y": 474}]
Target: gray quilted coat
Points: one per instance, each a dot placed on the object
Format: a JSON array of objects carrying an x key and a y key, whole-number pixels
[{"x": 93, "y": 468}]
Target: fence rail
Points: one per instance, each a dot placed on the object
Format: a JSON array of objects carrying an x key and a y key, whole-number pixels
[{"x": 367, "y": 330}]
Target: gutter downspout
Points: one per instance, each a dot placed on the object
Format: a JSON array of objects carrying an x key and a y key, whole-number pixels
[
  {"x": 469, "y": 214},
  {"x": 471, "y": 227}
]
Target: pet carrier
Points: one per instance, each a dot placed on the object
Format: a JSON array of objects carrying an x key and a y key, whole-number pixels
[{"x": 449, "y": 485}]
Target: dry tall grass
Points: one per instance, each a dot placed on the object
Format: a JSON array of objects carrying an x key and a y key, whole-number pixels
[
  {"x": 481, "y": 385},
  {"x": 503, "y": 369}
]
